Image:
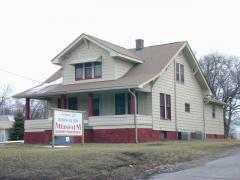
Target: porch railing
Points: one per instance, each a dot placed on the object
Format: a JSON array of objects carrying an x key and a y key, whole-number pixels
[{"x": 108, "y": 121}]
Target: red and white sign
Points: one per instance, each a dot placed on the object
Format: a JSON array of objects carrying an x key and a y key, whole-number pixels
[{"x": 67, "y": 123}]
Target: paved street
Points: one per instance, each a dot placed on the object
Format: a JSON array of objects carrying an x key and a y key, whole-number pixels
[{"x": 224, "y": 168}]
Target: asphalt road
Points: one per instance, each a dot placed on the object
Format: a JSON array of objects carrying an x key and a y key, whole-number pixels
[{"x": 227, "y": 168}]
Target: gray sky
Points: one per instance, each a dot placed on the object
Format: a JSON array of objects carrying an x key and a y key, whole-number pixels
[{"x": 33, "y": 32}]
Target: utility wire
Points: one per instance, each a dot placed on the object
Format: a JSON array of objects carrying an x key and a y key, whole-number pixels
[{"x": 18, "y": 75}]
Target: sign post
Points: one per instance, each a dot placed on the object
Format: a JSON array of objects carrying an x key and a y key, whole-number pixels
[
  {"x": 67, "y": 123},
  {"x": 53, "y": 137},
  {"x": 82, "y": 131}
]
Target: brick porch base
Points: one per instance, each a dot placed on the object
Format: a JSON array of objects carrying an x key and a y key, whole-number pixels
[{"x": 126, "y": 135}]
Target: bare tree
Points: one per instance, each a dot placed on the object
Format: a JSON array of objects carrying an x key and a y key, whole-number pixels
[
  {"x": 223, "y": 76},
  {"x": 38, "y": 109},
  {"x": 5, "y": 92}
]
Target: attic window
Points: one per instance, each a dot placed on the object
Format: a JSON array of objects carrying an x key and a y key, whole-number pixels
[
  {"x": 97, "y": 69},
  {"x": 78, "y": 71},
  {"x": 179, "y": 72},
  {"x": 89, "y": 70}
]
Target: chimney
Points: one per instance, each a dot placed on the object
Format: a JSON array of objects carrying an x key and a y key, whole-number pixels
[{"x": 139, "y": 44}]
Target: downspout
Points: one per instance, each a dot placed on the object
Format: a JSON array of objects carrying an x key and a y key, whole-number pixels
[
  {"x": 175, "y": 97},
  {"x": 204, "y": 119},
  {"x": 152, "y": 83},
  {"x": 133, "y": 93}
]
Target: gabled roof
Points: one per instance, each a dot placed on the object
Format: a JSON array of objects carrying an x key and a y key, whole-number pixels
[
  {"x": 114, "y": 50},
  {"x": 155, "y": 59},
  {"x": 151, "y": 62}
]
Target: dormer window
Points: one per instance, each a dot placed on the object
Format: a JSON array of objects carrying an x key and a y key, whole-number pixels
[
  {"x": 97, "y": 69},
  {"x": 89, "y": 70},
  {"x": 78, "y": 72}
]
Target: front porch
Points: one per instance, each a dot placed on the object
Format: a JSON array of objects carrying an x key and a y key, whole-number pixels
[{"x": 110, "y": 116}]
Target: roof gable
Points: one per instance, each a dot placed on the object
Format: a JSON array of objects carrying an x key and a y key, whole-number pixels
[
  {"x": 197, "y": 70},
  {"x": 114, "y": 50},
  {"x": 156, "y": 58}
]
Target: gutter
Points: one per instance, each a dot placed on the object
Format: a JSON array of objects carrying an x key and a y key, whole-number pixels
[
  {"x": 135, "y": 114},
  {"x": 36, "y": 95}
]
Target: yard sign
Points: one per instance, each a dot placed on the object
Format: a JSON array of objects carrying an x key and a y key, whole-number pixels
[{"x": 67, "y": 123}]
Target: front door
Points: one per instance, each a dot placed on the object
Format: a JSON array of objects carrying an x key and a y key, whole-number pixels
[{"x": 73, "y": 103}]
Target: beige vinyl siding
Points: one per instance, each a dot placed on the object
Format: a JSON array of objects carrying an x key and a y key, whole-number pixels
[
  {"x": 144, "y": 103},
  {"x": 214, "y": 125},
  {"x": 97, "y": 122},
  {"x": 107, "y": 103},
  {"x": 107, "y": 118},
  {"x": 37, "y": 125},
  {"x": 164, "y": 84},
  {"x": 119, "y": 121},
  {"x": 84, "y": 52},
  {"x": 189, "y": 92},
  {"x": 82, "y": 102},
  {"x": 121, "y": 67}
]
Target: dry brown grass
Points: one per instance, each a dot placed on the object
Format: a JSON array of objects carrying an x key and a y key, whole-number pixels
[{"x": 100, "y": 161}]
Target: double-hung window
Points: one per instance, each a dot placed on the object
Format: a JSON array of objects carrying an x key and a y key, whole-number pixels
[
  {"x": 179, "y": 72},
  {"x": 165, "y": 106},
  {"x": 213, "y": 111},
  {"x": 97, "y": 69},
  {"x": 96, "y": 106},
  {"x": 78, "y": 71},
  {"x": 88, "y": 70},
  {"x": 187, "y": 107}
]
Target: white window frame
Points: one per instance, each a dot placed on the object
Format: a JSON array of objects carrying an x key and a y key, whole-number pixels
[
  {"x": 165, "y": 106},
  {"x": 180, "y": 80},
  {"x": 83, "y": 73}
]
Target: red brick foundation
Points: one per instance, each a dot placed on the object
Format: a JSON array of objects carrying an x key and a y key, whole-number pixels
[
  {"x": 193, "y": 135},
  {"x": 126, "y": 135},
  {"x": 171, "y": 135},
  {"x": 43, "y": 137},
  {"x": 215, "y": 136},
  {"x": 87, "y": 137}
]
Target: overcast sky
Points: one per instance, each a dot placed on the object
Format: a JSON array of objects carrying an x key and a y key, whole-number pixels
[{"x": 33, "y": 32}]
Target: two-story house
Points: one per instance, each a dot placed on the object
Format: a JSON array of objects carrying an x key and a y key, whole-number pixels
[{"x": 140, "y": 94}]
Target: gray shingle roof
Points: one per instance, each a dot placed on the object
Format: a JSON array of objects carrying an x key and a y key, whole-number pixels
[{"x": 155, "y": 59}]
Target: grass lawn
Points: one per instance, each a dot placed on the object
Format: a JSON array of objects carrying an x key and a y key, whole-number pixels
[{"x": 100, "y": 161}]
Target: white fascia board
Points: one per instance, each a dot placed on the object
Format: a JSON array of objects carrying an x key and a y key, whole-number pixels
[
  {"x": 83, "y": 36},
  {"x": 80, "y": 91},
  {"x": 215, "y": 101},
  {"x": 199, "y": 69},
  {"x": 148, "y": 81},
  {"x": 56, "y": 59},
  {"x": 115, "y": 54}
]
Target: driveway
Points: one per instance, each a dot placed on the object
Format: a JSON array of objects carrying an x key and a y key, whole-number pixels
[{"x": 224, "y": 168}]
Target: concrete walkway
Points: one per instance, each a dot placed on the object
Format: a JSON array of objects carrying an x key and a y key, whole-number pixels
[{"x": 224, "y": 168}]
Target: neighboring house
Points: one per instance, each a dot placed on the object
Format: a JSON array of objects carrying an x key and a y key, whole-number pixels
[
  {"x": 159, "y": 91},
  {"x": 6, "y": 122}
]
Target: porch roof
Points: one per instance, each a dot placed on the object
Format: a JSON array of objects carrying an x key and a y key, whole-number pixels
[{"x": 156, "y": 58}]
